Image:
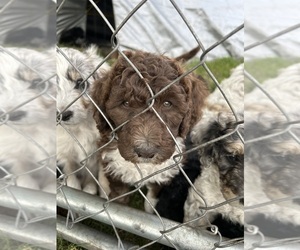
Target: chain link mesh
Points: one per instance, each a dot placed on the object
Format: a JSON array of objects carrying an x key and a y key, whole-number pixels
[
  {"x": 163, "y": 231},
  {"x": 30, "y": 98}
]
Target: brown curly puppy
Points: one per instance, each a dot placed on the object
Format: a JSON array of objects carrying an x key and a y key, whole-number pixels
[{"x": 151, "y": 109}]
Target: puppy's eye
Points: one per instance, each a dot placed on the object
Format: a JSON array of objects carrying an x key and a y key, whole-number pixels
[
  {"x": 125, "y": 104},
  {"x": 35, "y": 82},
  {"x": 78, "y": 83},
  {"x": 167, "y": 104}
]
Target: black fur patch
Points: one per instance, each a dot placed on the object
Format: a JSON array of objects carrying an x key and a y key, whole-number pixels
[
  {"x": 231, "y": 167},
  {"x": 228, "y": 228},
  {"x": 172, "y": 197}
]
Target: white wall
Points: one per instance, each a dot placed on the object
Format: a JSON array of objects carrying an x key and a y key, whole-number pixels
[{"x": 157, "y": 26}]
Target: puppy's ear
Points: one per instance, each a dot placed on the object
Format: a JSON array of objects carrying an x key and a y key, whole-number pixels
[
  {"x": 128, "y": 53},
  {"x": 93, "y": 55},
  {"x": 121, "y": 61},
  {"x": 102, "y": 89},
  {"x": 188, "y": 55},
  {"x": 92, "y": 50},
  {"x": 197, "y": 92},
  {"x": 95, "y": 59},
  {"x": 100, "y": 93}
]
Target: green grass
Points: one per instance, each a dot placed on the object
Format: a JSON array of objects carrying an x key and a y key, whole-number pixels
[
  {"x": 260, "y": 69},
  {"x": 267, "y": 68},
  {"x": 9, "y": 244},
  {"x": 220, "y": 68},
  {"x": 66, "y": 245}
]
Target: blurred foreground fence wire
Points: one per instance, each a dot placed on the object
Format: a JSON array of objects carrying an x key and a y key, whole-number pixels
[
  {"x": 272, "y": 151},
  {"x": 27, "y": 125}
]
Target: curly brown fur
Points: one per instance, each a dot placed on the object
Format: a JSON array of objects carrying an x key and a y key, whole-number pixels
[
  {"x": 125, "y": 101},
  {"x": 123, "y": 84}
]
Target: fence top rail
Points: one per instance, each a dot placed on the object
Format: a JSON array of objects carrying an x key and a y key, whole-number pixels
[{"x": 136, "y": 221}]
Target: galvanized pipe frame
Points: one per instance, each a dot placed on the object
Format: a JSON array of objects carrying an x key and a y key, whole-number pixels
[
  {"x": 43, "y": 206},
  {"x": 35, "y": 223},
  {"x": 257, "y": 242},
  {"x": 135, "y": 221},
  {"x": 37, "y": 234},
  {"x": 89, "y": 238},
  {"x": 37, "y": 202}
]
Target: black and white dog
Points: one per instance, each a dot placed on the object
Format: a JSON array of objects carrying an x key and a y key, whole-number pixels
[{"x": 215, "y": 167}]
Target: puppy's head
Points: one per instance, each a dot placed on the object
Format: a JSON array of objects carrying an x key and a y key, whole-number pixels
[
  {"x": 76, "y": 70},
  {"x": 27, "y": 86},
  {"x": 227, "y": 153},
  {"x": 145, "y": 124}
]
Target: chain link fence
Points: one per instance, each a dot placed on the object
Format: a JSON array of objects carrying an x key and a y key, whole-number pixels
[
  {"x": 27, "y": 162},
  {"x": 272, "y": 149},
  {"x": 27, "y": 125},
  {"x": 116, "y": 218},
  {"x": 31, "y": 148}
]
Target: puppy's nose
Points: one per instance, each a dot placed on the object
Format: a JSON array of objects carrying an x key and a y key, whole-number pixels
[
  {"x": 146, "y": 152},
  {"x": 67, "y": 115}
]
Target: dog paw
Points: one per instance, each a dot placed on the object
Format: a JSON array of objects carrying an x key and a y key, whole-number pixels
[{"x": 90, "y": 188}]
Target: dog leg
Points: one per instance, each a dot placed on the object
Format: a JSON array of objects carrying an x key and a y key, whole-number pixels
[
  {"x": 208, "y": 186},
  {"x": 72, "y": 179},
  {"x": 89, "y": 176},
  {"x": 152, "y": 193},
  {"x": 27, "y": 181},
  {"x": 104, "y": 189},
  {"x": 91, "y": 187},
  {"x": 50, "y": 188},
  {"x": 118, "y": 189},
  {"x": 73, "y": 182}
]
